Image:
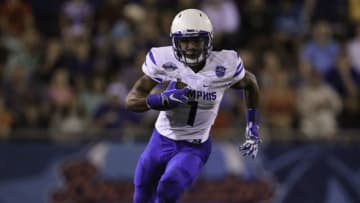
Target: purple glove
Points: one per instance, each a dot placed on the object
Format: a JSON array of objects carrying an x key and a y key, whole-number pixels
[
  {"x": 251, "y": 146},
  {"x": 168, "y": 99}
]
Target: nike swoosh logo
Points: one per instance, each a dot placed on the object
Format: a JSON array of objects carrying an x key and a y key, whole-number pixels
[{"x": 175, "y": 99}]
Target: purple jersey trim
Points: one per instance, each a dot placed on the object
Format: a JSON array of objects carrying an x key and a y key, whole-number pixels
[
  {"x": 239, "y": 69},
  {"x": 152, "y": 57}
]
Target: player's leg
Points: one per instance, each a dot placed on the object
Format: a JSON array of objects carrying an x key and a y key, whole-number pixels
[
  {"x": 180, "y": 173},
  {"x": 146, "y": 178},
  {"x": 148, "y": 172}
]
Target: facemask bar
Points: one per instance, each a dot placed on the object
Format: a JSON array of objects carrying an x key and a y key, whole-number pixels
[{"x": 203, "y": 52}]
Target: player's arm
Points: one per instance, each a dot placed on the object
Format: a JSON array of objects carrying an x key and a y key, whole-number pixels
[
  {"x": 136, "y": 98},
  {"x": 252, "y": 96},
  {"x": 251, "y": 87},
  {"x": 139, "y": 98}
]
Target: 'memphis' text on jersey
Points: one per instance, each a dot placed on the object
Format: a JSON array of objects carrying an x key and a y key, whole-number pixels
[{"x": 196, "y": 95}]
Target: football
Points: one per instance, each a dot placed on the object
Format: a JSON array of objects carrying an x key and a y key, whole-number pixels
[{"x": 162, "y": 86}]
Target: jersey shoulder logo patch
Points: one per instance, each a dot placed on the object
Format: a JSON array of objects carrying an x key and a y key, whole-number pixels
[
  {"x": 220, "y": 71},
  {"x": 169, "y": 66}
]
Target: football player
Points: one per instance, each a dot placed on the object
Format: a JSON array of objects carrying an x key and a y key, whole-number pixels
[{"x": 180, "y": 144}]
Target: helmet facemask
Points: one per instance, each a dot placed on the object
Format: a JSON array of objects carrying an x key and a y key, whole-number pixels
[
  {"x": 192, "y": 48},
  {"x": 191, "y": 34}
]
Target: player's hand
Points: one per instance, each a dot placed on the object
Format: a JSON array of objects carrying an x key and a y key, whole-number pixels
[
  {"x": 251, "y": 146},
  {"x": 169, "y": 98},
  {"x": 172, "y": 97}
]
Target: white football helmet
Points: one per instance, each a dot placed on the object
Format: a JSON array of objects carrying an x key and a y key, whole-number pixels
[{"x": 191, "y": 23}]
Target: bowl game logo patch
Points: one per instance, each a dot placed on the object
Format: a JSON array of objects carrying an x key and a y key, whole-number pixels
[
  {"x": 169, "y": 66},
  {"x": 220, "y": 71}
]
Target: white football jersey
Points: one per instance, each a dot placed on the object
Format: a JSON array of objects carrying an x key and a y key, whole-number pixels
[{"x": 193, "y": 121}]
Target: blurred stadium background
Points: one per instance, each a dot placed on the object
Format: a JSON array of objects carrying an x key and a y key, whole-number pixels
[{"x": 67, "y": 65}]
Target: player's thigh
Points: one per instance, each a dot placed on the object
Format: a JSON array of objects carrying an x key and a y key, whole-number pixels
[
  {"x": 183, "y": 169},
  {"x": 148, "y": 171},
  {"x": 150, "y": 166}
]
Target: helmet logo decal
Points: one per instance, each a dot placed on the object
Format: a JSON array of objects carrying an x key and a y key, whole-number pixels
[{"x": 220, "y": 71}]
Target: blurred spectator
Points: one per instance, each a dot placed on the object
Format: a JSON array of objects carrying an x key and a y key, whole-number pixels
[
  {"x": 256, "y": 23},
  {"x": 53, "y": 58},
  {"x": 120, "y": 29},
  {"x": 318, "y": 106},
  {"x": 228, "y": 116},
  {"x": 354, "y": 49},
  {"x": 6, "y": 120},
  {"x": 24, "y": 52},
  {"x": 112, "y": 119},
  {"x": 80, "y": 62},
  {"x": 279, "y": 103},
  {"x": 111, "y": 115},
  {"x": 164, "y": 28},
  {"x": 31, "y": 123},
  {"x": 15, "y": 17},
  {"x": 124, "y": 50},
  {"x": 354, "y": 11},
  {"x": 218, "y": 10},
  {"x": 147, "y": 32},
  {"x": 321, "y": 51},
  {"x": 18, "y": 92},
  {"x": 343, "y": 77},
  {"x": 60, "y": 92},
  {"x": 279, "y": 98},
  {"x": 117, "y": 88},
  {"x": 333, "y": 11},
  {"x": 31, "y": 118},
  {"x": 3, "y": 58},
  {"x": 184, "y": 4},
  {"x": 136, "y": 13},
  {"x": 102, "y": 49},
  {"x": 110, "y": 11},
  {"x": 346, "y": 81},
  {"x": 93, "y": 96},
  {"x": 77, "y": 12},
  {"x": 248, "y": 58},
  {"x": 69, "y": 123},
  {"x": 271, "y": 66},
  {"x": 289, "y": 21},
  {"x": 130, "y": 74}
]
